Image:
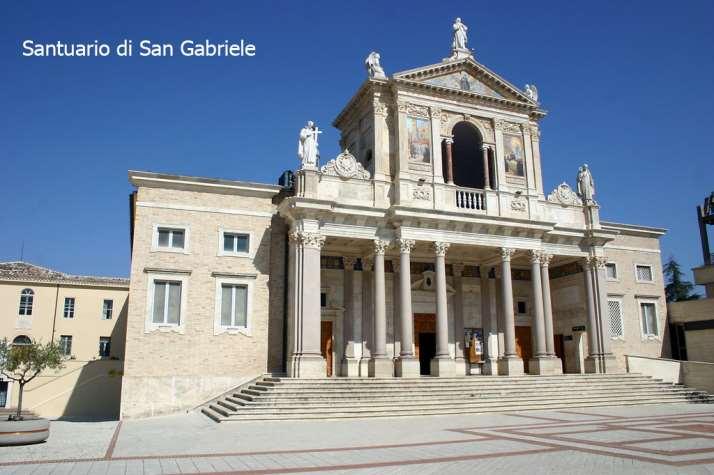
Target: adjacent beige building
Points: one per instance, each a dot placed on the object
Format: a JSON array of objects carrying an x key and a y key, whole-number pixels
[
  {"x": 87, "y": 317},
  {"x": 429, "y": 246}
]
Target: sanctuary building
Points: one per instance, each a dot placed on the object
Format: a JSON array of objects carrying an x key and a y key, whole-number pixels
[{"x": 429, "y": 246}]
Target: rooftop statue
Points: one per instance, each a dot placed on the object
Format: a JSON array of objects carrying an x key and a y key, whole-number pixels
[
  {"x": 532, "y": 92},
  {"x": 459, "y": 47},
  {"x": 374, "y": 69},
  {"x": 307, "y": 146},
  {"x": 586, "y": 186}
]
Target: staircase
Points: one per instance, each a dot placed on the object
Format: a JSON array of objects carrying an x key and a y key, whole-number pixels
[{"x": 273, "y": 398}]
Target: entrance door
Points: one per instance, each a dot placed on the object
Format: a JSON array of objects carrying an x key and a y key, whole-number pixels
[
  {"x": 326, "y": 344},
  {"x": 425, "y": 340},
  {"x": 524, "y": 348},
  {"x": 4, "y": 393},
  {"x": 560, "y": 349}
]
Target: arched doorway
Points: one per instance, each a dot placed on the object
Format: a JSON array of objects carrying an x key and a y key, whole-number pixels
[{"x": 467, "y": 156}]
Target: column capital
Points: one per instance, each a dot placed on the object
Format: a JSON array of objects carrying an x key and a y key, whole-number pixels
[
  {"x": 349, "y": 262},
  {"x": 448, "y": 139},
  {"x": 545, "y": 259},
  {"x": 506, "y": 253},
  {"x": 313, "y": 240},
  {"x": 535, "y": 256},
  {"x": 596, "y": 262},
  {"x": 380, "y": 247},
  {"x": 458, "y": 269},
  {"x": 367, "y": 263},
  {"x": 441, "y": 247},
  {"x": 485, "y": 147},
  {"x": 406, "y": 245}
]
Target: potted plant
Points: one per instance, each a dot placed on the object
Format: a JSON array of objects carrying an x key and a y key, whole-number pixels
[{"x": 22, "y": 363}]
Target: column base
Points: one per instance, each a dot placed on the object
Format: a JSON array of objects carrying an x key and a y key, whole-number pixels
[
  {"x": 407, "y": 367},
  {"x": 364, "y": 367},
  {"x": 510, "y": 366},
  {"x": 350, "y": 367},
  {"x": 381, "y": 368},
  {"x": 443, "y": 367},
  {"x": 490, "y": 367},
  {"x": 308, "y": 366},
  {"x": 600, "y": 364},
  {"x": 545, "y": 365},
  {"x": 461, "y": 367}
]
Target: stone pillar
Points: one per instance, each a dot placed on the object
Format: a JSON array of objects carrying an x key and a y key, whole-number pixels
[
  {"x": 306, "y": 360},
  {"x": 600, "y": 359},
  {"x": 499, "y": 313},
  {"x": 490, "y": 327},
  {"x": 441, "y": 364},
  {"x": 539, "y": 364},
  {"x": 407, "y": 364},
  {"x": 462, "y": 367},
  {"x": 511, "y": 364},
  {"x": 449, "y": 141},
  {"x": 367, "y": 314},
  {"x": 486, "y": 174},
  {"x": 380, "y": 365},
  {"x": 350, "y": 364},
  {"x": 557, "y": 365}
]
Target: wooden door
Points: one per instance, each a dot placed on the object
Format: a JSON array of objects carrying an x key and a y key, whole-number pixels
[
  {"x": 424, "y": 340},
  {"x": 524, "y": 348},
  {"x": 326, "y": 344},
  {"x": 560, "y": 349}
]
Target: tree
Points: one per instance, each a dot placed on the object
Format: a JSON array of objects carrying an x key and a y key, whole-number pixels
[
  {"x": 677, "y": 289},
  {"x": 24, "y": 362}
]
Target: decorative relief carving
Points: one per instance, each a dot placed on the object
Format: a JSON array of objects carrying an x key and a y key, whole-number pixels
[
  {"x": 349, "y": 262},
  {"x": 307, "y": 239},
  {"x": 345, "y": 166},
  {"x": 511, "y": 128},
  {"x": 421, "y": 194},
  {"x": 380, "y": 108},
  {"x": 564, "y": 195},
  {"x": 406, "y": 245},
  {"x": 417, "y": 110},
  {"x": 518, "y": 203},
  {"x": 535, "y": 133},
  {"x": 401, "y": 106},
  {"x": 597, "y": 262},
  {"x": 498, "y": 124},
  {"x": 535, "y": 256},
  {"x": 380, "y": 246},
  {"x": 545, "y": 259},
  {"x": 435, "y": 113},
  {"x": 441, "y": 247},
  {"x": 506, "y": 253}
]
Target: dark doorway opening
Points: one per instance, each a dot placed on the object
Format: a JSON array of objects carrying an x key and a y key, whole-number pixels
[
  {"x": 558, "y": 340},
  {"x": 467, "y": 156},
  {"x": 427, "y": 351}
]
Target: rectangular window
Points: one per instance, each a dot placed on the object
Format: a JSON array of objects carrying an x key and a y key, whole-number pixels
[
  {"x": 65, "y": 344},
  {"x": 323, "y": 299},
  {"x": 236, "y": 243},
  {"x": 107, "y": 309},
  {"x": 105, "y": 344},
  {"x": 643, "y": 273},
  {"x": 614, "y": 307},
  {"x": 4, "y": 390},
  {"x": 69, "y": 307},
  {"x": 611, "y": 270},
  {"x": 167, "y": 302},
  {"x": 234, "y": 305},
  {"x": 521, "y": 307},
  {"x": 648, "y": 311},
  {"x": 170, "y": 238}
]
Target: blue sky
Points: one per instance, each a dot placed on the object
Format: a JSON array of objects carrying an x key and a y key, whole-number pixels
[{"x": 627, "y": 85}]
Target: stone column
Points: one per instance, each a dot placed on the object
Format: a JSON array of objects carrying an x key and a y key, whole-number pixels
[
  {"x": 490, "y": 327},
  {"x": 441, "y": 364},
  {"x": 539, "y": 364},
  {"x": 499, "y": 313},
  {"x": 511, "y": 364},
  {"x": 449, "y": 141},
  {"x": 380, "y": 365},
  {"x": 350, "y": 364},
  {"x": 601, "y": 359},
  {"x": 407, "y": 364},
  {"x": 486, "y": 173},
  {"x": 306, "y": 360},
  {"x": 367, "y": 314},
  {"x": 462, "y": 367},
  {"x": 592, "y": 362}
]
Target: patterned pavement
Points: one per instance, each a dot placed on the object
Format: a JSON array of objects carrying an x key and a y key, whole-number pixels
[{"x": 643, "y": 439}]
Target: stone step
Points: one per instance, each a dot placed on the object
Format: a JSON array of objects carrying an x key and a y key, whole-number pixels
[
  {"x": 460, "y": 379},
  {"x": 446, "y": 410},
  {"x": 445, "y": 398}
]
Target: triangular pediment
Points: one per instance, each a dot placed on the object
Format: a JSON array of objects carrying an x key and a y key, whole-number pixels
[{"x": 466, "y": 76}]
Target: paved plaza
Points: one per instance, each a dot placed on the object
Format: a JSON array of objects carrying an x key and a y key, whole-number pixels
[{"x": 641, "y": 439}]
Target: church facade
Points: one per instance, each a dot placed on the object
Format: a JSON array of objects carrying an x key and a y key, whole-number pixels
[{"x": 429, "y": 246}]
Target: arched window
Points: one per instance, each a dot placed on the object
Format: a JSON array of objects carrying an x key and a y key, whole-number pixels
[
  {"x": 27, "y": 296},
  {"x": 468, "y": 167},
  {"x": 22, "y": 340}
]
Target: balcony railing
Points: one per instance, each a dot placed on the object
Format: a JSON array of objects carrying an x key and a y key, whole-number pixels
[{"x": 470, "y": 199}]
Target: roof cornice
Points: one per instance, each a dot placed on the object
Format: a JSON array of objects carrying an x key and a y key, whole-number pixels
[{"x": 161, "y": 180}]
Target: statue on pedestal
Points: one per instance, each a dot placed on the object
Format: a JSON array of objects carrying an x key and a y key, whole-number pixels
[
  {"x": 374, "y": 69},
  {"x": 459, "y": 48},
  {"x": 308, "y": 152},
  {"x": 586, "y": 186},
  {"x": 532, "y": 92}
]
